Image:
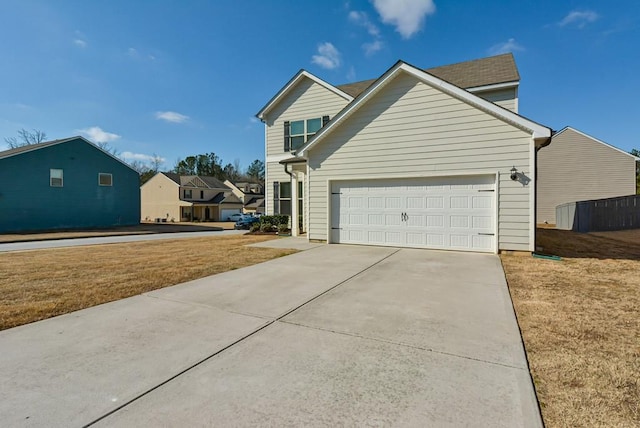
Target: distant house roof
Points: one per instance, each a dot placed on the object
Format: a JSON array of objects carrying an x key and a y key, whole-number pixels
[
  {"x": 197, "y": 181},
  {"x": 469, "y": 74},
  {"x": 32, "y": 147},
  {"x": 225, "y": 198},
  {"x": 255, "y": 203}
]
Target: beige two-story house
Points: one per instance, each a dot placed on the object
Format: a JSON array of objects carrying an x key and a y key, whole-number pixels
[
  {"x": 169, "y": 197},
  {"x": 436, "y": 158}
]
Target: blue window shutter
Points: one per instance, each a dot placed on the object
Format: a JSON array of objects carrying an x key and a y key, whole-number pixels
[{"x": 287, "y": 136}]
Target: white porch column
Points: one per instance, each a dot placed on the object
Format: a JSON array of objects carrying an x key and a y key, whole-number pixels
[{"x": 294, "y": 205}]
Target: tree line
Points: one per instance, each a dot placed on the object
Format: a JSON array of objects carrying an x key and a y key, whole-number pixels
[{"x": 207, "y": 164}]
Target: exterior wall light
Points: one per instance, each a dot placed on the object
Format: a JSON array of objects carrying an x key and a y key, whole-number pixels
[{"x": 514, "y": 175}]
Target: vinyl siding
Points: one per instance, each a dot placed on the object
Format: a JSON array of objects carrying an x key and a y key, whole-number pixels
[
  {"x": 159, "y": 198},
  {"x": 306, "y": 101},
  {"x": 28, "y": 202},
  {"x": 507, "y": 98},
  {"x": 410, "y": 129},
  {"x": 274, "y": 172},
  {"x": 575, "y": 167}
]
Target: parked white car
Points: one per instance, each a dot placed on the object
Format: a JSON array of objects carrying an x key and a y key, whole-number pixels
[{"x": 236, "y": 217}]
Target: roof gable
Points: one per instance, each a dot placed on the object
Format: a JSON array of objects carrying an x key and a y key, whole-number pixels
[
  {"x": 495, "y": 70},
  {"x": 301, "y": 75},
  {"x": 32, "y": 147},
  {"x": 537, "y": 130},
  {"x": 570, "y": 129}
]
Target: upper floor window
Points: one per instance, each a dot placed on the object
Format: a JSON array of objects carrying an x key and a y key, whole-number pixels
[
  {"x": 55, "y": 177},
  {"x": 105, "y": 179},
  {"x": 187, "y": 194},
  {"x": 298, "y": 132}
]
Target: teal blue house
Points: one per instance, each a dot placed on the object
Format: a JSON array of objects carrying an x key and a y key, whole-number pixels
[{"x": 66, "y": 184}]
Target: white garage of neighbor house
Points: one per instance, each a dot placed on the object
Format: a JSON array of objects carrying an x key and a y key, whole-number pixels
[
  {"x": 578, "y": 167},
  {"x": 411, "y": 161}
]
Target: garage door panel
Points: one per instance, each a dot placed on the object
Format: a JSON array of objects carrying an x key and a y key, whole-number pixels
[
  {"x": 416, "y": 239},
  {"x": 459, "y": 241},
  {"x": 482, "y": 202},
  {"x": 435, "y": 202},
  {"x": 459, "y": 221},
  {"x": 444, "y": 213},
  {"x": 459, "y": 202}
]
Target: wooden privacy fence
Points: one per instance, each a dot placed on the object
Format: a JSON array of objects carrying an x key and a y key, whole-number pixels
[{"x": 600, "y": 215}]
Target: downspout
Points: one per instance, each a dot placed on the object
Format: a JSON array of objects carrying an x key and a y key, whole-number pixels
[{"x": 535, "y": 196}]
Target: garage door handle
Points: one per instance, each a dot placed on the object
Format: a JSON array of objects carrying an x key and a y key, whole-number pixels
[{"x": 404, "y": 217}]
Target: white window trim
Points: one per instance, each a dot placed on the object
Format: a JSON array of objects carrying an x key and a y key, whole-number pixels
[
  {"x": 100, "y": 174},
  {"x": 51, "y": 177},
  {"x": 306, "y": 134}
]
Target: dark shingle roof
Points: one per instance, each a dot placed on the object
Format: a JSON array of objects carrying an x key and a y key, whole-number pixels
[
  {"x": 184, "y": 179},
  {"x": 29, "y": 147},
  {"x": 468, "y": 74},
  {"x": 225, "y": 198},
  {"x": 173, "y": 176}
]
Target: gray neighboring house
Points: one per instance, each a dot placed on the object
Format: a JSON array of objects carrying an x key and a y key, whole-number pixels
[{"x": 578, "y": 167}]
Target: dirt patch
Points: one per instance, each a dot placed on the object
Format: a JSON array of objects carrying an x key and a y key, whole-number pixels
[
  {"x": 35, "y": 285},
  {"x": 141, "y": 229},
  {"x": 580, "y": 324}
]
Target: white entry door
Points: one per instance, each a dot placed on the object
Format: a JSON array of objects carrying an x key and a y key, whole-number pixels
[{"x": 450, "y": 213}]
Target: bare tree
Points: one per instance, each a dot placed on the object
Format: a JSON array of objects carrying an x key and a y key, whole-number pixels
[
  {"x": 107, "y": 148},
  {"x": 25, "y": 138}
]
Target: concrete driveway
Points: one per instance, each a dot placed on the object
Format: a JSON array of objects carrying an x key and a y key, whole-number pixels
[{"x": 336, "y": 335}]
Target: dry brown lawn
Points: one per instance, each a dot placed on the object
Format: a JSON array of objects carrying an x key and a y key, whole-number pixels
[
  {"x": 35, "y": 285},
  {"x": 580, "y": 321}
]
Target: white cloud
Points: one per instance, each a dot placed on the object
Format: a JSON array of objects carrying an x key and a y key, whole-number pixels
[
  {"x": 509, "y": 46},
  {"x": 80, "y": 43},
  {"x": 406, "y": 15},
  {"x": 141, "y": 157},
  {"x": 373, "y": 47},
  {"x": 328, "y": 56},
  {"x": 133, "y": 53},
  {"x": 253, "y": 119},
  {"x": 97, "y": 135},
  {"x": 362, "y": 19},
  {"x": 579, "y": 18},
  {"x": 171, "y": 116}
]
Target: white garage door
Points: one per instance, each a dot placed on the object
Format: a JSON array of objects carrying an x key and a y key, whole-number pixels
[
  {"x": 453, "y": 213},
  {"x": 224, "y": 214}
]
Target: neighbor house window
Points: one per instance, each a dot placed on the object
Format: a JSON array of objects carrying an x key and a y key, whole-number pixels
[
  {"x": 105, "y": 179},
  {"x": 187, "y": 194},
  {"x": 55, "y": 177},
  {"x": 202, "y": 194},
  {"x": 298, "y": 132}
]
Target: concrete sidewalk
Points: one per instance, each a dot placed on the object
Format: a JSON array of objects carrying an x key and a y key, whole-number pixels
[
  {"x": 336, "y": 335},
  {"x": 99, "y": 240}
]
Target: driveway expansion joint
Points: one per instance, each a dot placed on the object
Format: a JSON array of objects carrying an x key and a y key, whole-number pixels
[{"x": 407, "y": 345}]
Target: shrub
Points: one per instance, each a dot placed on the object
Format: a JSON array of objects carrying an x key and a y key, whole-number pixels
[
  {"x": 254, "y": 227},
  {"x": 283, "y": 228},
  {"x": 266, "y": 227},
  {"x": 275, "y": 220}
]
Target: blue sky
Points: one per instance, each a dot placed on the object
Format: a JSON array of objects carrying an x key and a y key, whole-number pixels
[{"x": 175, "y": 78}]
